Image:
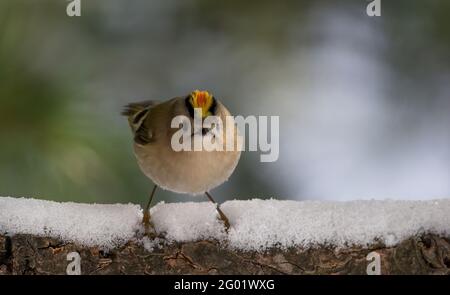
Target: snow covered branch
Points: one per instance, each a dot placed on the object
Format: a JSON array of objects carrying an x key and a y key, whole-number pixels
[
  {"x": 27, "y": 254},
  {"x": 266, "y": 237}
]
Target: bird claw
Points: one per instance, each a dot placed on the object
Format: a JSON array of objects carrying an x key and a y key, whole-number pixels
[
  {"x": 225, "y": 221},
  {"x": 149, "y": 229}
]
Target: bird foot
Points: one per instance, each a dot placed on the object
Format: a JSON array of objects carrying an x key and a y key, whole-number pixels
[
  {"x": 224, "y": 219},
  {"x": 149, "y": 229}
]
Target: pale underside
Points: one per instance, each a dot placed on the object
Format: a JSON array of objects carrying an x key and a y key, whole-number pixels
[{"x": 191, "y": 172}]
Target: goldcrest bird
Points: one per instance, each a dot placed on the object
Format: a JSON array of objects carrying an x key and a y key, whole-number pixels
[{"x": 186, "y": 171}]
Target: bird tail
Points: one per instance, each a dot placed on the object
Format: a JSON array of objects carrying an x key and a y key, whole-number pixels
[
  {"x": 131, "y": 109},
  {"x": 137, "y": 113}
]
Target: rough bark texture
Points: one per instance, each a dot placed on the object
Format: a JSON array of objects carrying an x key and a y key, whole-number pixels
[{"x": 25, "y": 254}]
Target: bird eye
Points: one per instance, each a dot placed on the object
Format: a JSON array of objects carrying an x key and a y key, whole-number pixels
[
  {"x": 213, "y": 107},
  {"x": 190, "y": 108}
]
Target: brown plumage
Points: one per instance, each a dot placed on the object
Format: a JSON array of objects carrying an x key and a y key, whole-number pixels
[{"x": 191, "y": 172}]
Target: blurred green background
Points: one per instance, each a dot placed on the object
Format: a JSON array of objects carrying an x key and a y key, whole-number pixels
[{"x": 364, "y": 103}]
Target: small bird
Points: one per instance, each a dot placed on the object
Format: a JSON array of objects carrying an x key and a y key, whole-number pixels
[{"x": 187, "y": 171}]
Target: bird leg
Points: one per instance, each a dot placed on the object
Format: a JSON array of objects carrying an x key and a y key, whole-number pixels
[
  {"x": 146, "y": 220},
  {"x": 221, "y": 214}
]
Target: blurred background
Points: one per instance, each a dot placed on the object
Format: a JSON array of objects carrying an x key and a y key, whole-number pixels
[{"x": 364, "y": 102}]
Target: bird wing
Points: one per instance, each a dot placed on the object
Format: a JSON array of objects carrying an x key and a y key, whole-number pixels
[{"x": 137, "y": 113}]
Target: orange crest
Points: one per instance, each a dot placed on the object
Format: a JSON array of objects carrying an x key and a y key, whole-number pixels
[{"x": 202, "y": 100}]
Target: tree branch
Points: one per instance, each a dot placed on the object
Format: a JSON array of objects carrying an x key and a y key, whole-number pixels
[{"x": 26, "y": 254}]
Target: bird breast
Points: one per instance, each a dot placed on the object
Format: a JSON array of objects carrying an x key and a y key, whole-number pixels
[{"x": 192, "y": 172}]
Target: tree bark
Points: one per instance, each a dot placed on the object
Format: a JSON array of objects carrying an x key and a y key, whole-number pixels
[{"x": 26, "y": 254}]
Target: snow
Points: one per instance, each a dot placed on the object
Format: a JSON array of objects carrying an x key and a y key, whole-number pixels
[
  {"x": 255, "y": 224},
  {"x": 152, "y": 244},
  {"x": 107, "y": 226},
  {"x": 190, "y": 221}
]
